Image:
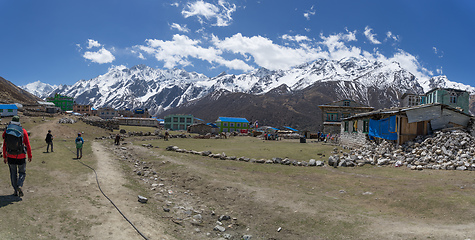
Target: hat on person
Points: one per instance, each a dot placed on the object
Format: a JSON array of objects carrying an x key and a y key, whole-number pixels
[
  {"x": 49, "y": 130},
  {"x": 15, "y": 119},
  {"x": 79, "y": 134}
]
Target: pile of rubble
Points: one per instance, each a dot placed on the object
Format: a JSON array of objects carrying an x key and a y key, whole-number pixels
[
  {"x": 450, "y": 150},
  {"x": 66, "y": 121}
]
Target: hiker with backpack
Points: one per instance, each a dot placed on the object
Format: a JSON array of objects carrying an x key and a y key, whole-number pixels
[
  {"x": 49, "y": 141},
  {"x": 16, "y": 146},
  {"x": 79, "y": 142}
]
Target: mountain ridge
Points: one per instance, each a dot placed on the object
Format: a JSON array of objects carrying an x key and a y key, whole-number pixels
[{"x": 370, "y": 82}]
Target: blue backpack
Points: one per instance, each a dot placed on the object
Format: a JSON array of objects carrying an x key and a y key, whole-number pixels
[{"x": 14, "y": 139}]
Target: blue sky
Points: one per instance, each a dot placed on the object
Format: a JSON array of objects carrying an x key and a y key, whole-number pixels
[{"x": 61, "y": 42}]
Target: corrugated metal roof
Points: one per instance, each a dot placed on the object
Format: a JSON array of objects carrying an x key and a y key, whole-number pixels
[
  {"x": 232, "y": 119},
  {"x": 8, "y": 106}
]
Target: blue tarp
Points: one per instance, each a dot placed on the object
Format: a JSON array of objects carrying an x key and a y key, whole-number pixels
[
  {"x": 293, "y": 129},
  {"x": 385, "y": 128}
]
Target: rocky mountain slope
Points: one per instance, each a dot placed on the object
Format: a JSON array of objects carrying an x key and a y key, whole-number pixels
[{"x": 10, "y": 93}]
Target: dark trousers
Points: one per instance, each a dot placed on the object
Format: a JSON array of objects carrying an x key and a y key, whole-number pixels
[
  {"x": 47, "y": 147},
  {"x": 17, "y": 173}
]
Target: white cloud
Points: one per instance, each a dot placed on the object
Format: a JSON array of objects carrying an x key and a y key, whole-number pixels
[
  {"x": 309, "y": 13},
  {"x": 371, "y": 36},
  {"x": 101, "y": 56},
  {"x": 439, "y": 71},
  {"x": 221, "y": 12},
  {"x": 390, "y": 35},
  {"x": 177, "y": 52},
  {"x": 245, "y": 53},
  {"x": 92, "y": 43},
  {"x": 265, "y": 53},
  {"x": 179, "y": 27},
  {"x": 438, "y": 52},
  {"x": 296, "y": 38}
]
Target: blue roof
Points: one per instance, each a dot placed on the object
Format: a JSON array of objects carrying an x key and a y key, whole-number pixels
[
  {"x": 199, "y": 119},
  {"x": 212, "y": 125},
  {"x": 293, "y": 129},
  {"x": 232, "y": 119},
  {"x": 8, "y": 106}
]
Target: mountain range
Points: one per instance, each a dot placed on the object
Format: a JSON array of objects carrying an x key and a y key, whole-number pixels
[{"x": 282, "y": 97}]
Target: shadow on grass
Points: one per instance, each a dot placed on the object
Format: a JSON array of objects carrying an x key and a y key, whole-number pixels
[{"x": 6, "y": 200}]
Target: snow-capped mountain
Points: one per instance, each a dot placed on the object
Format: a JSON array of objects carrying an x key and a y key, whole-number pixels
[
  {"x": 370, "y": 82},
  {"x": 39, "y": 89}
]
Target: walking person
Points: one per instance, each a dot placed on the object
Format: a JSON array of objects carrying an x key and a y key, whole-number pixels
[
  {"x": 16, "y": 146},
  {"x": 117, "y": 139},
  {"x": 79, "y": 142},
  {"x": 49, "y": 140}
]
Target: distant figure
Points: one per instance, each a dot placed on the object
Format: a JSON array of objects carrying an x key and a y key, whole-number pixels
[
  {"x": 117, "y": 139},
  {"x": 49, "y": 141},
  {"x": 79, "y": 142},
  {"x": 16, "y": 145},
  {"x": 167, "y": 135}
]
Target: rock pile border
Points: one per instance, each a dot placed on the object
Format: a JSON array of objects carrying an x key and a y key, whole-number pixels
[{"x": 223, "y": 156}]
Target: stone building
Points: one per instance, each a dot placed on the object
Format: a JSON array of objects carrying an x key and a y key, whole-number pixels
[
  {"x": 107, "y": 113},
  {"x": 83, "y": 109},
  {"x": 334, "y": 112}
]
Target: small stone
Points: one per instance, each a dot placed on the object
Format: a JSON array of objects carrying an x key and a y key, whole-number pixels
[
  {"x": 142, "y": 199},
  {"x": 219, "y": 228}
]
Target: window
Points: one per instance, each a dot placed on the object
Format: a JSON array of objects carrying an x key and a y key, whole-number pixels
[
  {"x": 231, "y": 129},
  {"x": 182, "y": 119},
  {"x": 453, "y": 97},
  {"x": 231, "y": 124},
  {"x": 225, "y": 124},
  {"x": 188, "y": 120},
  {"x": 175, "y": 119},
  {"x": 10, "y": 110},
  {"x": 365, "y": 126},
  {"x": 238, "y": 125},
  {"x": 346, "y": 103},
  {"x": 332, "y": 117},
  {"x": 225, "y": 129},
  {"x": 347, "y": 125},
  {"x": 244, "y": 125},
  {"x": 355, "y": 126}
]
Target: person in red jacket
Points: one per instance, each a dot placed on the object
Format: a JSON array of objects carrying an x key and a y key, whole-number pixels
[{"x": 16, "y": 159}]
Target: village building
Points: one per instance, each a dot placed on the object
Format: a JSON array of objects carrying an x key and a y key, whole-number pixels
[
  {"x": 232, "y": 124},
  {"x": 107, "y": 113},
  {"x": 400, "y": 125},
  {"x": 455, "y": 98},
  {"x": 7, "y": 110},
  {"x": 64, "y": 102},
  {"x": 82, "y": 109},
  {"x": 334, "y": 112},
  {"x": 411, "y": 99},
  {"x": 178, "y": 121},
  {"x": 203, "y": 128},
  {"x": 137, "y": 113},
  {"x": 47, "y": 107},
  {"x": 133, "y": 121}
]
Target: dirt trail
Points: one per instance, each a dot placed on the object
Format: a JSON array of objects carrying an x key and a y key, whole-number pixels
[{"x": 112, "y": 182}]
